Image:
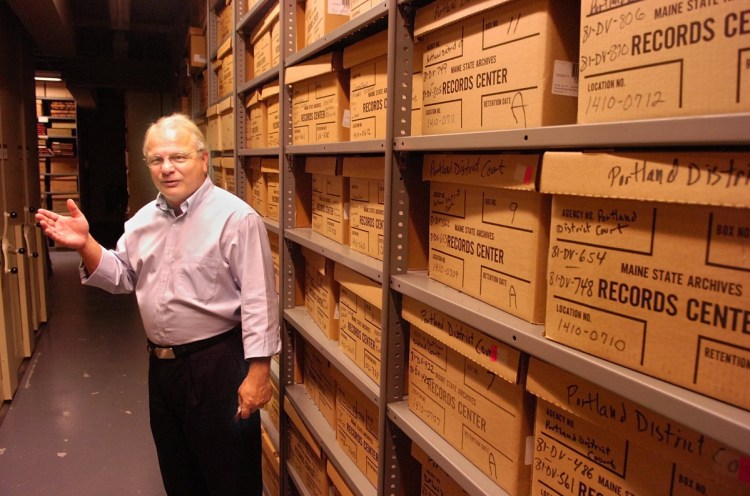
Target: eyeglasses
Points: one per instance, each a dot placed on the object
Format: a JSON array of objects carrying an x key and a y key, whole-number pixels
[{"x": 155, "y": 161}]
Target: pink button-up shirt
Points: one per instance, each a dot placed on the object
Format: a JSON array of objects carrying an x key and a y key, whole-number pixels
[{"x": 198, "y": 274}]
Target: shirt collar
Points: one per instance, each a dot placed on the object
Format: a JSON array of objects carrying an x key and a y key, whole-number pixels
[{"x": 194, "y": 199}]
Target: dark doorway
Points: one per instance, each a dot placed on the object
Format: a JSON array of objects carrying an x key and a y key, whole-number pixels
[{"x": 104, "y": 187}]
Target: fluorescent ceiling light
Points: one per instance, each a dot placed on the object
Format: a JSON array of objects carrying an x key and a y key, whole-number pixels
[{"x": 50, "y": 76}]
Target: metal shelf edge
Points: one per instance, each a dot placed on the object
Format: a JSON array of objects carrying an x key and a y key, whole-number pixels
[{"x": 368, "y": 146}]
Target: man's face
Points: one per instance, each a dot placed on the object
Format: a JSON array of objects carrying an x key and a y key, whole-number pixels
[{"x": 177, "y": 168}]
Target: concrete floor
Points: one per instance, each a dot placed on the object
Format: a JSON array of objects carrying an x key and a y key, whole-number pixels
[{"x": 78, "y": 424}]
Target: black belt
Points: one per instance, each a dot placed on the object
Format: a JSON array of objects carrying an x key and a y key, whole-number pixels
[{"x": 180, "y": 350}]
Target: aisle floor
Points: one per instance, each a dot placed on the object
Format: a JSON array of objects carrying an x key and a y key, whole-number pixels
[{"x": 78, "y": 424}]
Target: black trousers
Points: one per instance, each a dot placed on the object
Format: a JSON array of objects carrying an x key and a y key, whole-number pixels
[{"x": 202, "y": 450}]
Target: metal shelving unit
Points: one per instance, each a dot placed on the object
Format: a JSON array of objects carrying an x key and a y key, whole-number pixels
[{"x": 398, "y": 426}]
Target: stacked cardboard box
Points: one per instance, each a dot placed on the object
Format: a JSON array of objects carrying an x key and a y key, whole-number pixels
[
  {"x": 226, "y": 123},
  {"x": 305, "y": 455},
  {"x": 330, "y": 198},
  {"x": 257, "y": 121},
  {"x": 647, "y": 264},
  {"x": 321, "y": 293},
  {"x": 591, "y": 441},
  {"x": 323, "y": 16},
  {"x": 665, "y": 60},
  {"x": 273, "y": 240},
  {"x": 218, "y": 173},
  {"x": 320, "y": 100},
  {"x": 434, "y": 481},
  {"x": 465, "y": 385},
  {"x": 338, "y": 485},
  {"x": 367, "y": 62},
  {"x": 489, "y": 229},
  {"x": 512, "y": 66},
  {"x": 265, "y": 43},
  {"x": 227, "y": 166},
  {"x": 270, "y": 96},
  {"x": 224, "y": 22},
  {"x": 196, "y": 49},
  {"x": 360, "y": 300},
  {"x": 256, "y": 187},
  {"x": 357, "y": 429},
  {"x": 320, "y": 383},
  {"x": 637, "y": 425},
  {"x": 270, "y": 167},
  {"x": 367, "y": 205},
  {"x": 271, "y": 464},
  {"x": 359, "y": 7},
  {"x": 213, "y": 135}
]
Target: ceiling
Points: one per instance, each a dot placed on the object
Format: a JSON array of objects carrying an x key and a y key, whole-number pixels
[{"x": 127, "y": 44}]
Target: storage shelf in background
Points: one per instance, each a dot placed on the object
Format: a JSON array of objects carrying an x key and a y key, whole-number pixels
[
  {"x": 721, "y": 421},
  {"x": 256, "y": 11},
  {"x": 273, "y": 433},
  {"x": 452, "y": 461},
  {"x": 272, "y": 225},
  {"x": 355, "y": 25},
  {"x": 364, "y": 264},
  {"x": 326, "y": 437},
  {"x": 329, "y": 348},
  {"x": 711, "y": 130},
  {"x": 299, "y": 484},
  {"x": 258, "y": 152}
]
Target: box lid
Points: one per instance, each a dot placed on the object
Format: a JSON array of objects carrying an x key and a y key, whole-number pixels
[
  {"x": 226, "y": 105},
  {"x": 367, "y": 49},
  {"x": 224, "y": 48},
  {"x": 212, "y": 111},
  {"x": 328, "y": 166},
  {"x": 269, "y": 164},
  {"x": 216, "y": 65},
  {"x": 480, "y": 348},
  {"x": 253, "y": 98},
  {"x": 268, "y": 20},
  {"x": 227, "y": 163},
  {"x": 269, "y": 91},
  {"x": 318, "y": 66},
  {"x": 616, "y": 413},
  {"x": 364, "y": 167},
  {"x": 365, "y": 288},
  {"x": 702, "y": 178},
  {"x": 195, "y": 31},
  {"x": 440, "y": 13},
  {"x": 509, "y": 171}
]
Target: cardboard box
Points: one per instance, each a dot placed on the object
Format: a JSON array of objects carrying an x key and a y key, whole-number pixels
[
  {"x": 669, "y": 59},
  {"x": 620, "y": 289},
  {"x": 435, "y": 481},
  {"x": 196, "y": 49},
  {"x": 320, "y": 101},
  {"x": 573, "y": 456},
  {"x": 330, "y": 198},
  {"x": 416, "y": 90},
  {"x": 218, "y": 174},
  {"x": 320, "y": 383},
  {"x": 463, "y": 384},
  {"x": 489, "y": 229},
  {"x": 213, "y": 136},
  {"x": 262, "y": 42},
  {"x": 359, "y": 7},
  {"x": 226, "y": 122},
  {"x": 367, "y": 204},
  {"x": 257, "y": 121},
  {"x": 321, "y": 293},
  {"x": 224, "y": 23},
  {"x": 273, "y": 406},
  {"x": 367, "y": 61},
  {"x": 223, "y": 67},
  {"x": 360, "y": 300},
  {"x": 339, "y": 486},
  {"x": 273, "y": 240},
  {"x": 227, "y": 166},
  {"x": 305, "y": 455},
  {"x": 256, "y": 186},
  {"x": 322, "y": 17},
  {"x": 270, "y": 95},
  {"x": 270, "y": 167},
  {"x": 511, "y": 67},
  {"x": 652, "y": 431},
  {"x": 64, "y": 185},
  {"x": 271, "y": 464},
  {"x": 357, "y": 429},
  {"x": 62, "y": 166}
]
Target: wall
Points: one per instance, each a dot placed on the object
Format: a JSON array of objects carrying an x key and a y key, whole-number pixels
[{"x": 141, "y": 109}]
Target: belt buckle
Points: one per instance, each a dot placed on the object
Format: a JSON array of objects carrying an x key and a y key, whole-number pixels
[{"x": 164, "y": 353}]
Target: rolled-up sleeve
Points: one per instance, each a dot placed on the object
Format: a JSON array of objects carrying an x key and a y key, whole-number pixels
[
  {"x": 252, "y": 264},
  {"x": 112, "y": 274}
]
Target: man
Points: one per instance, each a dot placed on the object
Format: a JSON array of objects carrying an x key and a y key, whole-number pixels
[{"x": 200, "y": 264}]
